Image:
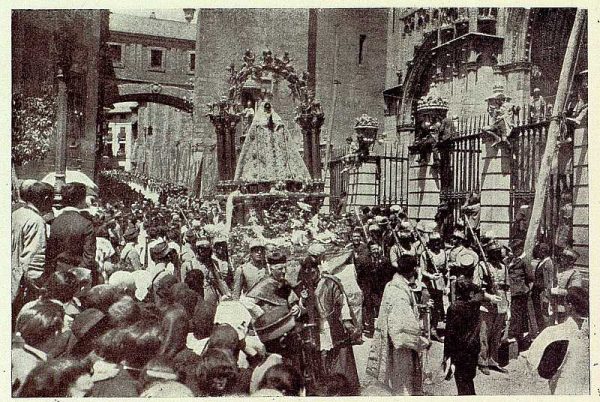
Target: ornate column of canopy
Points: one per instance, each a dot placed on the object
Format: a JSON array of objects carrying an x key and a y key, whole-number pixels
[
  {"x": 224, "y": 116},
  {"x": 310, "y": 118}
]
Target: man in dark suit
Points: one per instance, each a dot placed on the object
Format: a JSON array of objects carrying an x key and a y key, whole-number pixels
[
  {"x": 72, "y": 241},
  {"x": 364, "y": 277}
]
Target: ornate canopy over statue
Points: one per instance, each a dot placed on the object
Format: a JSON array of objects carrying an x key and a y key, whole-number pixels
[{"x": 269, "y": 167}]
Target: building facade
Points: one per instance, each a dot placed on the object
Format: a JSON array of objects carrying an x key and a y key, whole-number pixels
[
  {"x": 154, "y": 63},
  {"x": 122, "y": 132},
  {"x": 454, "y": 60},
  {"x": 41, "y": 41}
]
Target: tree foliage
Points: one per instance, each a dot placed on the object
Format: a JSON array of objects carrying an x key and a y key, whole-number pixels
[{"x": 33, "y": 120}]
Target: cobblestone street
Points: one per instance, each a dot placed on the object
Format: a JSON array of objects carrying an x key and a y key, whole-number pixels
[{"x": 518, "y": 380}]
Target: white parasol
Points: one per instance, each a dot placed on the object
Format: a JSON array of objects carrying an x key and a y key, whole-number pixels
[{"x": 72, "y": 176}]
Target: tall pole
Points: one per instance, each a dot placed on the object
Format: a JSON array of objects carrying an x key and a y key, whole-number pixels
[
  {"x": 61, "y": 135},
  {"x": 335, "y": 84},
  {"x": 553, "y": 132}
]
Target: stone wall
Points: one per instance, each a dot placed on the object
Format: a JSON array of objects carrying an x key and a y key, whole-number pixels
[
  {"x": 581, "y": 201},
  {"x": 361, "y": 84},
  {"x": 135, "y": 64}
]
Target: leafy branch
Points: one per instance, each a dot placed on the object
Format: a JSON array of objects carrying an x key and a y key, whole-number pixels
[{"x": 33, "y": 120}]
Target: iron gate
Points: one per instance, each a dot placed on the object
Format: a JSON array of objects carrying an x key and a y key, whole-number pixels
[
  {"x": 390, "y": 176},
  {"x": 338, "y": 178},
  {"x": 459, "y": 169},
  {"x": 527, "y": 145}
]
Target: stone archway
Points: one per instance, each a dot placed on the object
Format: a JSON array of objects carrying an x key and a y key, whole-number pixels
[
  {"x": 179, "y": 160},
  {"x": 412, "y": 86},
  {"x": 177, "y": 97}
]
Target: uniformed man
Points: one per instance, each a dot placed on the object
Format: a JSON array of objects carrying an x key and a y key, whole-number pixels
[
  {"x": 250, "y": 273},
  {"x": 221, "y": 255},
  {"x": 494, "y": 280},
  {"x": 459, "y": 246},
  {"x": 432, "y": 270}
]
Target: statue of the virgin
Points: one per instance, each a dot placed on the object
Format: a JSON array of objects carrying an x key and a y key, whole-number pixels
[{"x": 268, "y": 152}]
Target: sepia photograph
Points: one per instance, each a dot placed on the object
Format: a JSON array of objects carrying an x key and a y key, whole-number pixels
[{"x": 330, "y": 202}]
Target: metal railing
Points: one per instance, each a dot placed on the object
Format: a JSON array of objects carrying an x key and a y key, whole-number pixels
[
  {"x": 527, "y": 145},
  {"x": 390, "y": 175},
  {"x": 459, "y": 165}
]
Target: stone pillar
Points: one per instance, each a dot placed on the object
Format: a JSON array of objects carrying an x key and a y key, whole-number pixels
[
  {"x": 128, "y": 148},
  {"x": 310, "y": 119},
  {"x": 495, "y": 191},
  {"x": 501, "y": 22},
  {"x": 230, "y": 154},
  {"x": 307, "y": 148},
  {"x": 581, "y": 199},
  {"x": 224, "y": 118},
  {"x": 362, "y": 186},
  {"x": 316, "y": 154},
  {"x": 220, "y": 131},
  {"x": 423, "y": 189},
  {"x": 60, "y": 130},
  {"x": 473, "y": 14}
]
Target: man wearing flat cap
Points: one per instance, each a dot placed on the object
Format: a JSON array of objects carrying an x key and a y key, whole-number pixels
[
  {"x": 250, "y": 273},
  {"x": 160, "y": 254}
]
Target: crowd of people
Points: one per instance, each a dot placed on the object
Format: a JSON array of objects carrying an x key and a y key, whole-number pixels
[{"x": 119, "y": 296}]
